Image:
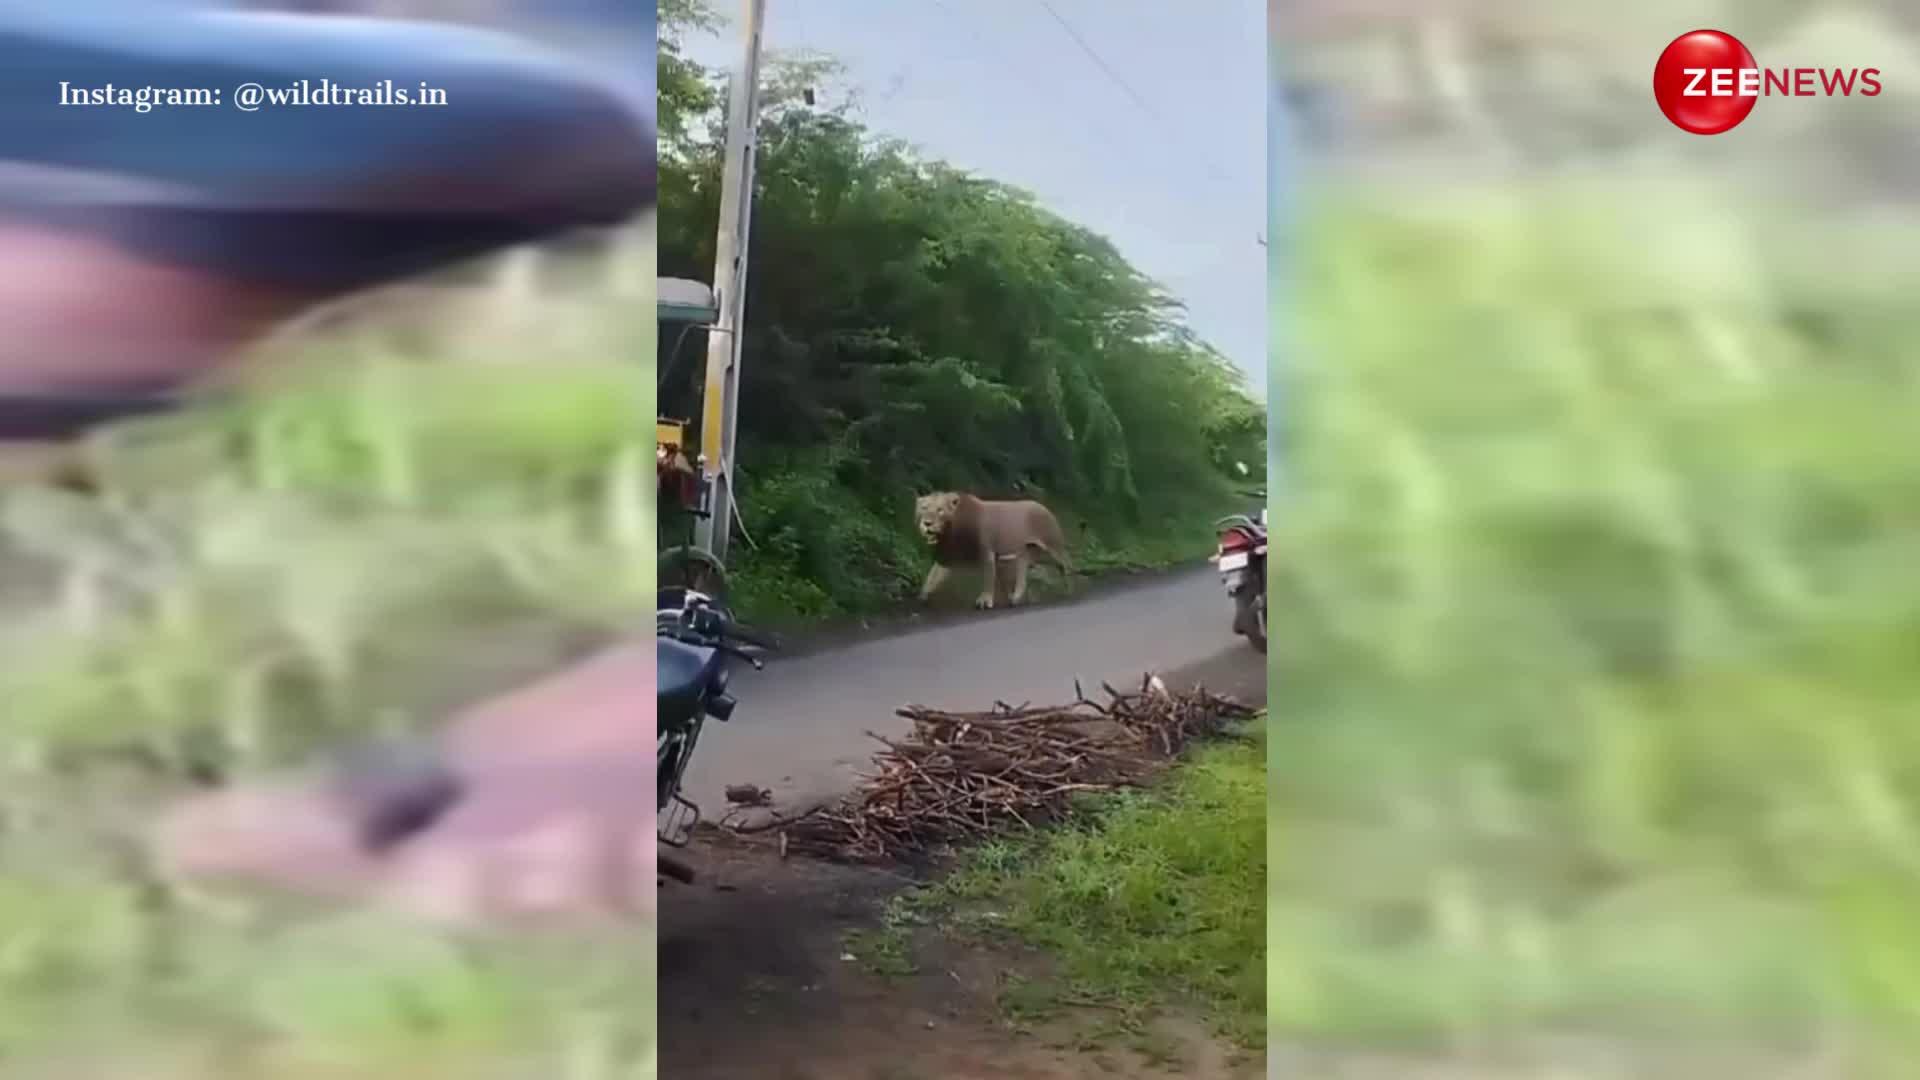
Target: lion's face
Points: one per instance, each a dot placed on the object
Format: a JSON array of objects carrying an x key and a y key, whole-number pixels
[{"x": 932, "y": 513}]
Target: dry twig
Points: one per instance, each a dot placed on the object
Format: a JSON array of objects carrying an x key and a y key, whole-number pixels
[{"x": 965, "y": 776}]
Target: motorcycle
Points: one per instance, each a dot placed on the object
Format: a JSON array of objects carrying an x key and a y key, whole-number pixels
[
  {"x": 696, "y": 639},
  {"x": 1242, "y": 561}
]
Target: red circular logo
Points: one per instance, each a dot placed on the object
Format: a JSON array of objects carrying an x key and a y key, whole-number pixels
[{"x": 1699, "y": 85}]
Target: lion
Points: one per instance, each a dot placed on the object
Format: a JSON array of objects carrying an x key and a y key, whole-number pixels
[{"x": 964, "y": 528}]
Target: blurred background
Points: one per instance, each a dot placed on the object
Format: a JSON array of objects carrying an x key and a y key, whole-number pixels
[
  {"x": 426, "y": 493},
  {"x": 608, "y": 33},
  {"x": 1595, "y": 754}
]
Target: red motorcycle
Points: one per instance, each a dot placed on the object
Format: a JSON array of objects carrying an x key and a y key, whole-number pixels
[{"x": 1242, "y": 560}]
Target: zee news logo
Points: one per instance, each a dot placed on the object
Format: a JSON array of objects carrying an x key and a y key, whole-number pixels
[{"x": 1706, "y": 82}]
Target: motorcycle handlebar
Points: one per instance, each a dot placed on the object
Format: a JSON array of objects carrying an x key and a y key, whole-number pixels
[{"x": 719, "y": 627}]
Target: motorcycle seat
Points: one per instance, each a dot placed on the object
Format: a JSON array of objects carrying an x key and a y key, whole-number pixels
[
  {"x": 332, "y": 197},
  {"x": 685, "y": 672}
]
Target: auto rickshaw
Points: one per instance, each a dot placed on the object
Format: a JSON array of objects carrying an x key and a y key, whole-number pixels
[{"x": 684, "y": 492}]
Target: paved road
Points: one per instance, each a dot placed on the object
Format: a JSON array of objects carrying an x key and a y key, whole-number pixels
[{"x": 802, "y": 723}]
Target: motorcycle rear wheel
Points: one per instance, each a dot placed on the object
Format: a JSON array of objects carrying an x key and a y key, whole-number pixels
[{"x": 1254, "y": 619}]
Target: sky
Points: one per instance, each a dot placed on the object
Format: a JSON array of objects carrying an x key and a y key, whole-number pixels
[{"x": 1176, "y": 179}]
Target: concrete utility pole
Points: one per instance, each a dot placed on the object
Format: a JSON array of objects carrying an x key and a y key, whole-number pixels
[{"x": 721, "y": 404}]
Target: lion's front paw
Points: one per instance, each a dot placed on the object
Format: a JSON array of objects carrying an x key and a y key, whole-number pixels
[{"x": 983, "y": 602}]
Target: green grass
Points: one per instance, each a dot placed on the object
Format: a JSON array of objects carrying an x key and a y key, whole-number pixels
[
  {"x": 356, "y": 545},
  {"x": 1139, "y": 904},
  {"x": 1599, "y": 666}
]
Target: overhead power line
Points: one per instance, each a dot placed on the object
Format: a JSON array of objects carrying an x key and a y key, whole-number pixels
[
  {"x": 1046, "y": 90},
  {"x": 1126, "y": 87}
]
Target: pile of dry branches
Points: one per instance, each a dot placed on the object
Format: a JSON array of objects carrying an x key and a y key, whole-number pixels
[{"x": 963, "y": 776}]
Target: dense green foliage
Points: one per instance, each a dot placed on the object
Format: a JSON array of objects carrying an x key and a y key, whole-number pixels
[
  {"x": 1600, "y": 674},
  {"x": 911, "y": 327}
]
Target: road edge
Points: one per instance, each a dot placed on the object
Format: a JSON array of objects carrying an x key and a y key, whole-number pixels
[{"x": 834, "y": 635}]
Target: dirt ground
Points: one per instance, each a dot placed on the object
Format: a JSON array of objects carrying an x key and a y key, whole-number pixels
[{"x": 756, "y": 981}]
